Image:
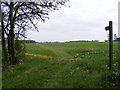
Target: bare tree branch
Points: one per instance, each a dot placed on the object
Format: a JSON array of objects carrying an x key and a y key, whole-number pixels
[{"x": 27, "y": 12}]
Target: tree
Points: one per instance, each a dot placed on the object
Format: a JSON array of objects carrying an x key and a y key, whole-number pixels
[{"x": 17, "y": 17}]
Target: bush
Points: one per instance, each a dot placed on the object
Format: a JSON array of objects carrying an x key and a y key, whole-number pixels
[{"x": 20, "y": 49}]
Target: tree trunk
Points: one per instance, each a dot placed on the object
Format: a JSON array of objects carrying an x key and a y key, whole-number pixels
[
  {"x": 9, "y": 47},
  {"x": 11, "y": 41},
  {"x": 4, "y": 49}
]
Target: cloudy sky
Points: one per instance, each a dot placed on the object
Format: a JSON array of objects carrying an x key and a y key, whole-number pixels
[{"x": 84, "y": 20}]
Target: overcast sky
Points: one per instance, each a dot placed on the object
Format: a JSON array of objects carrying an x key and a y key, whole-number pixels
[{"x": 84, "y": 20}]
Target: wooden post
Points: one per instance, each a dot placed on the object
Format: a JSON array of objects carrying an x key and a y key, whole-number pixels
[
  {"x": 110, "y": 44},
  {"x": 110, "y": 28}
]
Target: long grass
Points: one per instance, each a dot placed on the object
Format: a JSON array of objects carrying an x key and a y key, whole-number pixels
[
  {"x": 0, "y": 66},
  {"x": 90, "y": 71}
]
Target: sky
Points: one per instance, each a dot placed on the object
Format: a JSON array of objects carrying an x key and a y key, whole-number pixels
[{"x": 83, "y": 20}]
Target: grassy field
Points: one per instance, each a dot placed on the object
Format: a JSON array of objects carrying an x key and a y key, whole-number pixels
[
  {"x": 0, "y": 66},
  {"x": 64, "y": 65}
]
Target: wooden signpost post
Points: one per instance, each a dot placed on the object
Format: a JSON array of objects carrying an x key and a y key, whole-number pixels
[{"x": 110, "y": 28}]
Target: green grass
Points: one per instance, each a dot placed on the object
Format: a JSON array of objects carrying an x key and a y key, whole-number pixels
[
  {"x": 91, "y": 71},
  {"x": 0, "y": 66}
]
